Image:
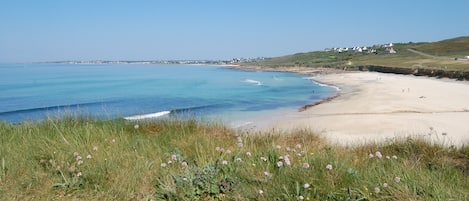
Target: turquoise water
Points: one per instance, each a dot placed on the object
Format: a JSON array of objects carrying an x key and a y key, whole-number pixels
[{"x": 33, "y": 92}]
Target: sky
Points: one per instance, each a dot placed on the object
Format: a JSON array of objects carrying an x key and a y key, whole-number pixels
[{"x": 59, "y": 30}]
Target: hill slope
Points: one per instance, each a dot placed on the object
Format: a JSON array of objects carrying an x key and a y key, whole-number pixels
[{"x": 433, "y": 56}]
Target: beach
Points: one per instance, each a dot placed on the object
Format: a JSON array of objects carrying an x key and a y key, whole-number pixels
[{"x": 378, "y": 107}]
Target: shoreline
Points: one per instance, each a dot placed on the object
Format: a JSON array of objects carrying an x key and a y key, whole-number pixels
[{"x": 380, "y": 107}]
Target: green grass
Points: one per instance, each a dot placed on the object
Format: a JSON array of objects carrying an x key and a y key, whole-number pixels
[
  {"x": 436, "y": 55},
  {"x": 89, "y": 159}
]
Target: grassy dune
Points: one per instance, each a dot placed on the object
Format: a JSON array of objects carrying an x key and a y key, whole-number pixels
[{"x": 88, "y": 159}]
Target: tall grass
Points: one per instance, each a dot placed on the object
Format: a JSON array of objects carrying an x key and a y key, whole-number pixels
[{"x": 89, "y": 159}]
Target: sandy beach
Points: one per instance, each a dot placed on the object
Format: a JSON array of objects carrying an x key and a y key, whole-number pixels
[{"x": 377, "y": 107}]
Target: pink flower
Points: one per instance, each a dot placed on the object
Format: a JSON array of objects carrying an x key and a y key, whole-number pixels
[
  {"x": 329, "y": 167},
  {"x": 174, "y": 157},
  {"x": 305, "y": 165},
  {"x": 377, "y": 190},
  {"x": 287, "y": 160},
  {"x": 385, "y": 185},
  {"x": 298, "y": 146},
  {"x": 136, "y": 126},
  {"x": 266, "y": 174},
  {"x": 378, "y": 154}
]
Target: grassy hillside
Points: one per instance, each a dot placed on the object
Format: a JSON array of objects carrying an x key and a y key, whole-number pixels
[
  {"x": 436, "y": 55},
  {"x": 87, "y": 159}
]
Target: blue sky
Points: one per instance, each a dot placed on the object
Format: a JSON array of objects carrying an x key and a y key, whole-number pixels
[{"x": 50, "y": 30}]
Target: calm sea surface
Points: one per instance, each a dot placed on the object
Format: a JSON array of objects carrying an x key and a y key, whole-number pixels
[{"x": 34, "y": 92}]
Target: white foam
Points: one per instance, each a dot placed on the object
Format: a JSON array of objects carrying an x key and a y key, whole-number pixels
[
  {"x": 325, "y": 85},
  {"x": 252, "y": 81},
  {"x": 147, "y": 116}
]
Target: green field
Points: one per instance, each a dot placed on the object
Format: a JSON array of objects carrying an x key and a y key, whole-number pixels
[
  {"x": 436, "y": 55},
  {"x": 88, "y": 159}
]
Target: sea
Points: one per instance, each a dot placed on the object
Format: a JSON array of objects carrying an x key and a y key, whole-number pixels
[{"x": 138, "y": 92}]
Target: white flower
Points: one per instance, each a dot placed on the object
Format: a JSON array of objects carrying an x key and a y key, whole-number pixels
[
  {"x": 95, "y": 148},
  {"x": 279, "y": 164},
  {"x": 385, "y": 185},
  {"x": 174, "y": 157},
  {"x": 278, "y": 147},
  {"x": 306, "y": 185},
  {"x": 228, "y": 151},
  {"x": 261, "y": 192},
  {"x": 239, "y": 159},
  {"x": 163, "y": 165},
  {"x": 394, "y": 157},
  {"x": 266, "y": 174},
  {"x": 75, "y": 154},
  {"x": 371, "y": 155},
  {"x": 377, "y": 190},
  {"x": 79, "y": 174},
  {"x": 248, "y": 153},
  {"x": 184, "y": 164},
  {"x": 88, "y": 156},
  {"x": 301, "y": 197},
  {"x": 79, "y": 162},
  {"x": 240, "y": 144},
  {"x": 305, "y": 165},
  {"x": 329, "y": 167},
  {"x": 224, "y": 162},
  {"x": 397, "y": 179},
  {"x": 136, "y": 126},
  {"x": 263, "y": 158}
]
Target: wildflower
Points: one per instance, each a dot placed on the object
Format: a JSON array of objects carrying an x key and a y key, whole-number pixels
[
  {"x": 305, "y": 165},
  {"x": 163, "y": 165},
  {"x": 298, "y": 146},
  {"x": 280, "y": 157},
  {"x": 218, "y": 149},
  {"x": 224, "y": 162},
  {"x": 79, "y": 174},
  {"x": 298, "y": 154},
  {"x": 329, "y": 167},
  {"x": 113, "y": 140},
  {"x": 279, "y": 164},
  {"x": 184, "y": 164},
  {"x": 266, "y": 174},
  {"x": 79, "y": 162},
  {"x": 185, "y": 179},
  {"x": 88, "y": 156},
  {"x": 397, "y": 179},
  {"x": 278, "y": 147},
  {"x": 388, "y": 157},
  {"x": 378, "y": 154},
  {"x": 95, "y": 148},
  {"x": 261, "y": 192},
  {"x": 288, "y": 149},
  {"x": 263, "y": 158},
  {"x": 78, "y": 158},
  {"x": 287, "y": 160},
  {"x": 377, "y": 190},
  {"x": 239, "y": 139},
  {"x": 253, "y": 165},
  {"x": 228, "y": 151},
  {"x": 174, "y": 157},
  {"x": 239, "y": 159},
  {"x": 385, "y": 185},
  {"x": 136, "y": 126},
  {"x": 240, "y": 144},
  {"x": 306, "y": 185},
  {"x": 371, "y": 155},
  {"x": 301, "y": 197},
  {"x": 170, "y": 161},
  {"x": 248, "y": 153},
  {"x": 75, "y": 154},
  {"x": 394, "y": 157}
]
